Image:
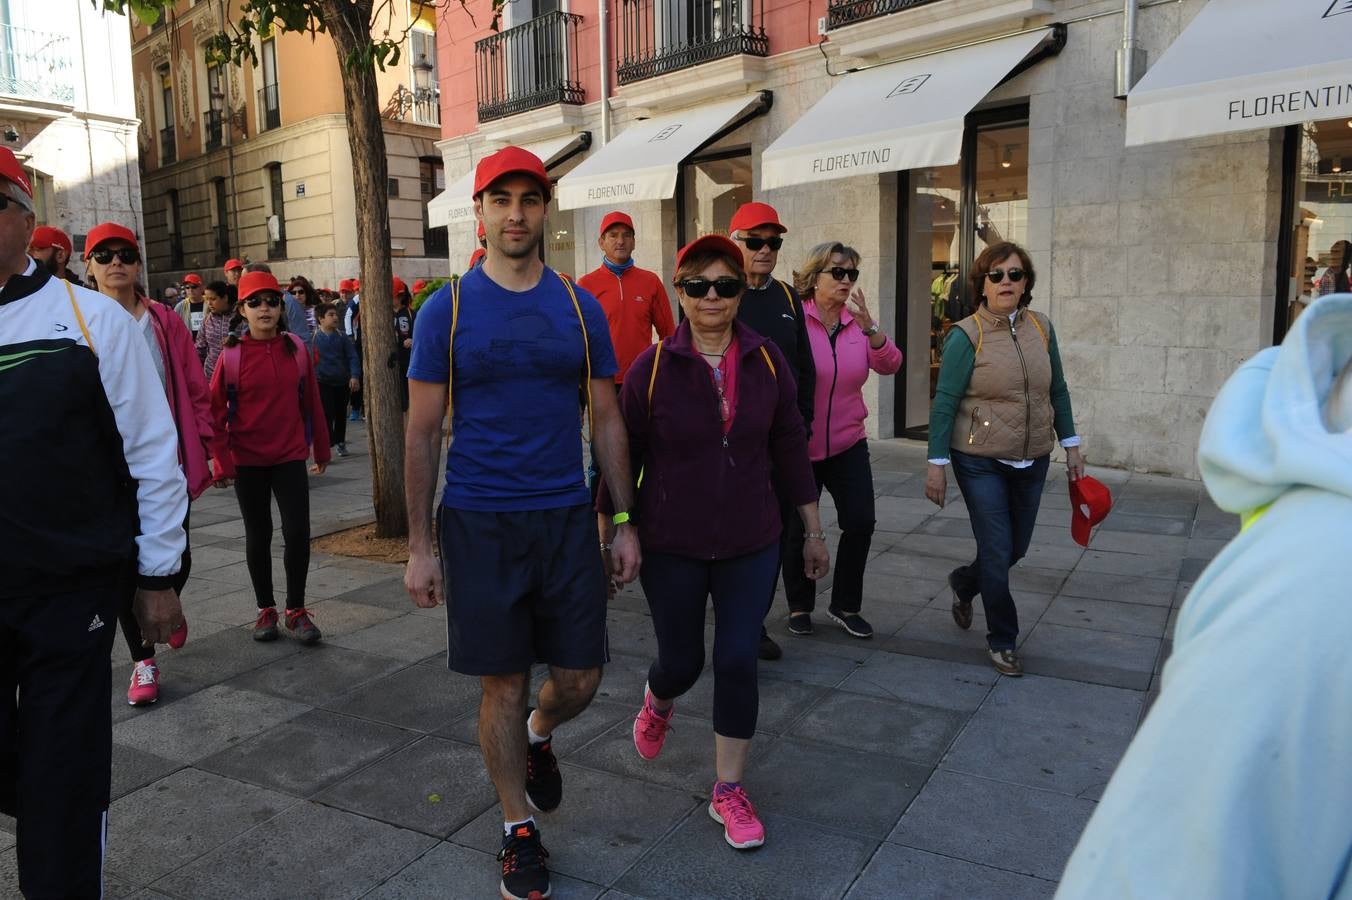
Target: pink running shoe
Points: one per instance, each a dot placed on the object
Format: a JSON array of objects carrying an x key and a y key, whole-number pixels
[
  {"x": 731, "y": 808},
  {"x": 145, "y": 684},
  {"x": 650, "y": 728}
]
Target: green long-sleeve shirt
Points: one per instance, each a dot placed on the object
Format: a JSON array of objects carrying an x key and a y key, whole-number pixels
[{"x": 955, "y": 372}]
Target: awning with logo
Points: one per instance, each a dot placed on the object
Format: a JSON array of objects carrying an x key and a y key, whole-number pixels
[
  {"x": 643, "y": 161},
  {"x": 904, "y": 115},
  {"x": 455, "y": 205},
  {"x": 1247, "y": 64}
]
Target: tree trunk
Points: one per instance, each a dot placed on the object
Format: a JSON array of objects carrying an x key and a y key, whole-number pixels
[{"x": 349, "y": 25}]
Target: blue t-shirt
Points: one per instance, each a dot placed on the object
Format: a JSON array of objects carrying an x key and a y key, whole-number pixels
[{"x": 519, "y": 365}]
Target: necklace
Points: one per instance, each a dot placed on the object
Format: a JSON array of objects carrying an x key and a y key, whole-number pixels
[{"x": 719, "y": 355}]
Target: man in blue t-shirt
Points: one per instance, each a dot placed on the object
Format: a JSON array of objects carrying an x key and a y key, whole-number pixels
[{"x": 520, "y": 568}]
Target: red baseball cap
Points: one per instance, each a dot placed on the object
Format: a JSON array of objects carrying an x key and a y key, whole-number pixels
[
  {"x": 233, "y": 264},
  {"x": 616, "y": 218},
  {"x": 711, "y": 242},
  {"x": 192, "y": 278},
  {"x": 105, "y": 232},
  {"x": 419, "y": 285},
  {"x": 13, "y": 171},
  {"x": 45, "y": 236},
  {"x": 346, "y": 285},
  {"x": 477, "y": 255},
  {"x": 1090, "y": 502},
  {"x": 510, "y": 161},
  {"x": 399, "y": 287},
  {"x": 755, "y": 215},
  {"x": 251, "y": 283}
]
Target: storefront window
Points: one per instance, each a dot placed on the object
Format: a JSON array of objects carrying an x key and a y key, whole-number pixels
[
  {"x": 1322, "y": 219},
  {"x": 713, "y": 188},
  {"x": 560, "y": 239}
]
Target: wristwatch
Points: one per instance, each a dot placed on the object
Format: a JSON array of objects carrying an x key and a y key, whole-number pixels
[{"x": 870, "y": 332}]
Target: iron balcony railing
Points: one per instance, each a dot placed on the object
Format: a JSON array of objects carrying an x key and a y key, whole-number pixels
[
  {"x": 36, "y": 65},
  {"x": 424, "y": 104},
  {"x": 658, "y": 36},
  {"x": 847, "y": 12},
  {"x": 168, "y": 149},
  {"x": 530, "y": 66},
  {"x": 212, "y": 128},
  {"x": 270, "y": 103}
]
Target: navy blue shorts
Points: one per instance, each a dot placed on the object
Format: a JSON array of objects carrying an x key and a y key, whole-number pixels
[{"x": 523, "y": 588}]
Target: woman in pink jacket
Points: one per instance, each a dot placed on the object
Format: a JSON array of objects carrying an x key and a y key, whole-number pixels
[
  {"x": 112, "y": 257},
  {"x": 846, "y": 344}
]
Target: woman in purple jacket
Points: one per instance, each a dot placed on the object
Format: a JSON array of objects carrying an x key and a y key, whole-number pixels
[{"x": 709, "y": 411}]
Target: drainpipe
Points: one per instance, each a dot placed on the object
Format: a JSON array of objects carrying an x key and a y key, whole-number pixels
[
  {"x": 602, "y": 19},
  {"x": 1130, "y": 57}
]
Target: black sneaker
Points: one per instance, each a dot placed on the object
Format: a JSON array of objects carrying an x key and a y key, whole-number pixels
[
  {"x": 524, "y": 874},
  {"x": 852, "y": 622},
  {"x": 768, "y": 648},
  {"x": 544, "y": 783},
  {"x": 800, "y": 623}
]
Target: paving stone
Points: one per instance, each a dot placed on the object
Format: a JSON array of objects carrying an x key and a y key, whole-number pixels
[
  {"x": 410, "y": 638},
  {"x": 595, "y": 720},
  {"x": 799, "y": 860},
  {"x": 173, "y": 688},
  {"x": 225, "y": 654},
  {"x": 848, "y": 790},
  {"x": 337, "y": 618},
  {"x": 1055, "y": 704},
  {"x": 223, "y": 604},
  {"x": 193, "y": 812},
  {"x": 452, "y": 872},
  {"x": 1101, "y": 657},
  {"x": 134, "y": 769},
  {"x": 1192, "y": 569},
  {"x": 603, "y": 826},
  {"x": 208, "y": 558},
  {"x": 910, "y": 731},
  {"x": 1105, "y": 615},
  {"x": 1132, "y": 503},
  {"x": 1028, "y": 580},
  {"x": 962, "y": 550},
  {"x": 434, "y": 786},
  {"x": 1122, "y": 588},
  {"x": 686, "y": 762},
  {"x": 423, "y": 698},
  {"x": 1169, "y": 525},
  {"x": 294, "y": 855},
  {"x": 1205, "y": 548},
  {"x": 204, "y": 723},
  {"x": 817, "y": 665},
  {"x": 1036, "y": 832},
  {"x": 1129, "y": 564},
  {"x": 318, "y": 675},
  {"x": 1144, "y": 544},
  {"x": 930, "y": 682},
  {"x": 308, "y": 753},
  {"x": 929, "y": 876}
]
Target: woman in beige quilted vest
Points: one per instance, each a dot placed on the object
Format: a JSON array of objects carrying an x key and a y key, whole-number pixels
[{"x": 1000, "y": 405}]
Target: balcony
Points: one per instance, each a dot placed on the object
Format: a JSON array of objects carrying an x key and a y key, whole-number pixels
[
  {"x": 531, "y": 66},
  {"x": 168, "y": 149},
  {"x": 269, "y": 101},
  {"x": 212, "y": 128},
  {"x": 36, "y": 65},
  {"x": 661, "y": 36},
  {"x": 423, "y": 104},
  {"x": 840, "y": 13}
]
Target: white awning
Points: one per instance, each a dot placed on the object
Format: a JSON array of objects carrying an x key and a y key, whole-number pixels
[
  {"x": 642, "y": 163},
  {"x": 1247, "y": 64},
  {"x": 905, "y": 115},
  {"x": 455, "y": 205}
]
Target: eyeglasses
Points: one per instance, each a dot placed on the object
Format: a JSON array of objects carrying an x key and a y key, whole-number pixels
[
  {"x": 755, "y": 243},
  {"x": 126, "y": 255},
  {"x": 998, "y": 275},
  {"x": 842, "y": 274},
  {"x": 255, "y": 302},
  {"x": 698, "y": 288},
  {"x": 724, "y": 408},
  {"x": 6, "y": 200}
]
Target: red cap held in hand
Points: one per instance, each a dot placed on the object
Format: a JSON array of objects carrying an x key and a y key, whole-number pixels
[{"x": 1090, "y": 503}]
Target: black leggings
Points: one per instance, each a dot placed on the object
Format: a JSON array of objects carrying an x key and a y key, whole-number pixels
[
  {"x": 255, "y": 486},
  {"x": 126, "y": 615},
  {"x": 849, "y": 478}
]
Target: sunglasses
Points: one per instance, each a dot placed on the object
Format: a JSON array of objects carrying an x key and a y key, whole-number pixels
[
  {"x": 998, "y": 275},
  {"x": 126, "y": 255},
  {"x": 755, "y": 243},
  {"x": 6, "y": 200},
  {"x": 842, "y": 274},
  {"x": 698, "y": 288},
  {"x": 255, "y": 302}
]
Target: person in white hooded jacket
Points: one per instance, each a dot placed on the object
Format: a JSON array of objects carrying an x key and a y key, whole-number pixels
[{"x": 1239, "y": 782}]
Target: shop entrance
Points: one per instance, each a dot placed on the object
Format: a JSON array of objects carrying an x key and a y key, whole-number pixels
[{"x": 1318, "y": 216}]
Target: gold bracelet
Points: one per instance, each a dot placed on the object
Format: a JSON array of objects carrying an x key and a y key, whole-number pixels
[{"x": 815, "y": 536}]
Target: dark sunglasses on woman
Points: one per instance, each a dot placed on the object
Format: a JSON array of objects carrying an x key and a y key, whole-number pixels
[
  {"x": 698, "y": 288},
  {"x": 255, "y": 302},
  {"x": 998, "y": 275},
  {"x": 755, "y": 243},
  {"x": 840, "y": 273},
  {"x": 127, "y": 256}
]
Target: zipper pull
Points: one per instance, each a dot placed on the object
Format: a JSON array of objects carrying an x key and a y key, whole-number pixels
[{"x": 725, "y": 442}]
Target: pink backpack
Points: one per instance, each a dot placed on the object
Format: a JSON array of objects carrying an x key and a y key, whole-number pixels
[{"x": 230, "y": 360}]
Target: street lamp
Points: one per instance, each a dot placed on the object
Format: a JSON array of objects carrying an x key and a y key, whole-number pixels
[{"x": 422, "y": 73}]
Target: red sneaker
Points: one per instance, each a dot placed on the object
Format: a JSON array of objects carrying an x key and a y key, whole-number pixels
[
  {"x": 145, "y": 684},
  {"x": 298, "y": 622},
  {"x": 650, "y": 727},
  {"x": 265, "y": 627},
  {"x": 730, "y": 807}
]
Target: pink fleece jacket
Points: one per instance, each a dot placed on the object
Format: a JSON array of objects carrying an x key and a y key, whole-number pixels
[
  {"x": 185, "y": 386},
  {"x": 838, "y": 405}
]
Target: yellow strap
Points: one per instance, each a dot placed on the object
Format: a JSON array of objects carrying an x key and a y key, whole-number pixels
[
  {"x": 1248, "y": 518},
  {"x": 1038, "y": 325},
  {"x": 79, "y": 317},
  {"x": 788, "y": 297},
  {"x": 980, "y": 335},
  {"x": 766, "y": 353},
  {"x": 586, "y": 349},
  {"x": 652, "y": 379},
  {"x": 450, "y": 353}
]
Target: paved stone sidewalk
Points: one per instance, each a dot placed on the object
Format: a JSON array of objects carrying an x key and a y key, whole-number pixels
[{"x": 881, "y": 770}]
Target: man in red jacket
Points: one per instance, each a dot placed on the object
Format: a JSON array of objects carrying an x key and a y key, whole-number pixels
[{"x": 634, "y": 300}]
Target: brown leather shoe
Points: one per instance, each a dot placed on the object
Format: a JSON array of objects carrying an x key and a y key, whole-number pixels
[
  {"x": 1006, "y": 662},
  {"x": 962, "y": 609}
]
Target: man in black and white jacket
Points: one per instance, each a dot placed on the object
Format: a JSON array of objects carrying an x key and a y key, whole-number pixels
[{"x": 90, "y": 486}]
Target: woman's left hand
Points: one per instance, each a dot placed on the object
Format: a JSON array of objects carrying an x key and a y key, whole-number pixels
[
  {"x": 318, "y": 468},
  {"x": 859, "y": 309},
  {"x": 1074, "y": 463},
  {"x": 816, "y": 559}
]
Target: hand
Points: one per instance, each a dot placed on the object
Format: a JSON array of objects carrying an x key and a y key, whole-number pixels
[
  {"x": 816, "y": 559},
  {"x": 408, "y": 342},
  {"x": 422, "y": 580},
  {"x": 319, "y": 468},
  {"x": 624, "y": 554},
  {"x": 158, "y": 613},
  {"x": 606, "y": 567},
  {"x": 223, "y": 482},
  {"x": 859, "y": 309},
  {"x": 936, "y": 484},
  {"x": 1074, "y": 463}
]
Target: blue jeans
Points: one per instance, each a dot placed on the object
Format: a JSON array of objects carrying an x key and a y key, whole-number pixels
[{"x": 1002, "y": 502}]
